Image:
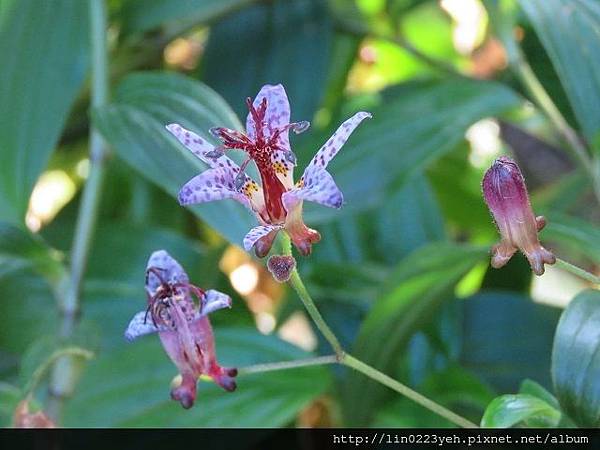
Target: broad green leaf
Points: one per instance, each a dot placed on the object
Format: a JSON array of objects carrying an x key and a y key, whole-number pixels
[
  {"x": 44, "y": 62},
  {"x": 575, "y": 234},
  {"x": 507, "y": 337},
  {"x": 269, "y": 43},
  {"x": 413, "y": 291},
  {"x": 130, "y": 387},
  {"x": 20, "y": 249},
  {"x": 570, "y": 33},
  {"x": 413, "y": 125},
  {"x": 509, "y": 410},
  {"x": 134, "y": 124},
  {"x": 143, "y": 15},
  {"x": 576, "y": 359}
]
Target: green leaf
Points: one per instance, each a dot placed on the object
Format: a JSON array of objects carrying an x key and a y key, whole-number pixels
[
  {"x": 20, "y": 249},
  {"x": 413, "y": 125},
  {"x": 576, "y": 359},
  {"x": 530, "y": 387},
  {"x": 575, "y": 234},
  {"x": 498, "y": 342},
  {"x": 143, "y": 15},
  {"x": 509, "y": 410},
  {"x": 283, "y": 42},
  {"x": 413, "y": 291},
  {"x": 135, "y": 126},
  {"x": 44, "y": 48},
  {"x": 130, "y": 387},
  {"x": 570, "y": 33}
]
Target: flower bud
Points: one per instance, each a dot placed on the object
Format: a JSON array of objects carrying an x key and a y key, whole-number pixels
[
  {"x": 506, "y": 195},
  {"x": 281, "y": 267}
]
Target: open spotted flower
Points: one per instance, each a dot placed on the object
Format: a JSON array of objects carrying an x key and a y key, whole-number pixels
[
  {"x": 277, "y": 201},
  {"x": 182, "y": 325},
  {"x": 506, "y": 195}
]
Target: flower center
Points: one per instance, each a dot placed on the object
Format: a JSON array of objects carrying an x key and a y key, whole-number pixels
[{"x": 260, "y": 149}]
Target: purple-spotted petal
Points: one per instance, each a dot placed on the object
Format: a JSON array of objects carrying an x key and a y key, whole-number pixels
[
  {"x": 141, "y": 324},
  {"x": 277, "y": 115},
  {"x": 256, "y": 233},
  {"x": 211, "y": 185},
  {"x": 213, "y": 301},
  {"x": 162, "y": 267},
  {"x": 194, "y": 143},
  {"x": 337, "y": 140},
  {"x": 318, "y": 187}
]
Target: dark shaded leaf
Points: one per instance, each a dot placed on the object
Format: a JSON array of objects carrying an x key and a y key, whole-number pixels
[
  {"x": 143, "y": 15},
  {"x": 576, "y": 359},
  {"x": 269, "y": 43},
  {"x": 498, "y": 342},
  {"x": 414, "y": 290},
  {"x": 130, "y": 387}
]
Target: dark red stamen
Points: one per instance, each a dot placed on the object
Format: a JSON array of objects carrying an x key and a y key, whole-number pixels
[{"x": 260, "y": 150}]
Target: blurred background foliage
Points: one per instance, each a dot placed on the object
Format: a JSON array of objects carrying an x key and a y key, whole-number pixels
[{"x": 402, "y": 272}]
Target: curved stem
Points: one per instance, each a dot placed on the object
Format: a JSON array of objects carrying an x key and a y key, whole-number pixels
[
  {"x": 582, "y": 273},
  {"x": 350, "y": 361},
  {"x": 296, "y": 283},
  {"x": 64, "y": 373},
  {"x": 41, "y": 371},
  {"x": 284, "y": 365}
]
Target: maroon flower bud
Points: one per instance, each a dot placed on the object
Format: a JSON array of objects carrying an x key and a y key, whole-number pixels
[
  {"x": 281, "y": 267},
  {"x": 506, "y": 195}
]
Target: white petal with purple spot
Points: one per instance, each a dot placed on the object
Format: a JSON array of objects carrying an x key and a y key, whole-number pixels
[
  {"x": 211, "y": 185},
  {"x": 141, "y": 324},
  {"x": 165, "y": 269},
  {"x": 319, "y": 187},
  {"x": 278, "y": 112},
  {"x": 213, "y": 301},
  {"x": 337, "y": 140},
  {"x": 256, "y": 233}
]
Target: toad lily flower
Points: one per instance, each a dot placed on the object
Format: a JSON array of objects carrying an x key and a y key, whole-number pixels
[
  {"x": 506, "y": 195},
  {"x": 182, "y": 325},
  {"x": 277, "y": 202}
]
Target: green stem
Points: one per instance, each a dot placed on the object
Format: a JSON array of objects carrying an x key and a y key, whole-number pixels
[
  {"x": 284, "y": 365},
  {"x": 64, "y": 373},
  {"x": 297, "y": 284},
  {"x": 41, "y": 371},
  {"x": 582, "y": 273},
  {"x": 402, "y": 389},
  {"x": 343, "y": 358}
]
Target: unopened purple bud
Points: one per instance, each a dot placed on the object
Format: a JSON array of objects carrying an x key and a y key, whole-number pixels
[
  {"x": 281, "y": 267},
  {"x": 506, "y": 195}
]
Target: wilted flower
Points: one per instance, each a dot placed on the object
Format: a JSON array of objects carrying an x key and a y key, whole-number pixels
[
  {"x": 506, "y": 195},
  {"x": 182, "y": 325},
  {"x": 277, "y": 202},
  {"x": 23, "y": 418}
]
